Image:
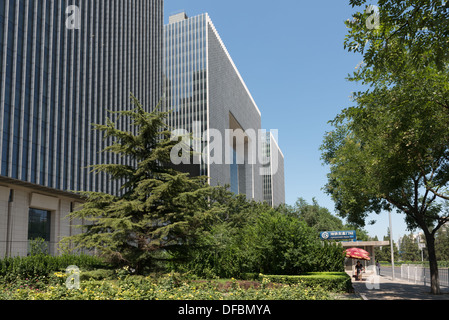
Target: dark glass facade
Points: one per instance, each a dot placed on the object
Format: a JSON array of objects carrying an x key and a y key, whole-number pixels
[
  {"x": 185, "y": 75},
  {"x": 39, "y": 224},
  {"x": 56, "y": 81}
]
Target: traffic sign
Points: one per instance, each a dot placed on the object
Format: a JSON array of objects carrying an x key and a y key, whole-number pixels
[{"x": 338, "y": 235}]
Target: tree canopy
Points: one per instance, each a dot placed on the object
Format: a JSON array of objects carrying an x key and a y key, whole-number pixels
[
  {"x": 390, "y": 150},
  {"x": 159, "y": 209},
  {"x": 320, "y": 218},
  {"x": 416, "y": 27}
]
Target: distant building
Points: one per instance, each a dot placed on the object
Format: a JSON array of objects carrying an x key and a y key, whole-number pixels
[{"x": 206, "y": 93}]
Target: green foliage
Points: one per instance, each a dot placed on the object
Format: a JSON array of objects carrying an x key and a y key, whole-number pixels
[
  {"x": 38, "y": 247},
  {"x": 384, "y": 253},
  {"x": 409, "y": 249},
  {"x": 98, "y": 274},
  {"x": 442, "y": 244},
  {"x": 391, "y": 150},
  {"x": 41, "y": 265},
  {"x": 168, "y": 287},
  {"x": 315, "y": 216},
  {"x": 331, "y": 281},
  {"x": 419, "y": 27},
  {"x": 320, "y": 218},
  {"x": 164, "y": 219},
  {"x": 159, "y": 209},
  {"x": 260, "y": 239}
]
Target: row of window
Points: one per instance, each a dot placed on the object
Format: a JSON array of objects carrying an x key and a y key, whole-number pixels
[
  {"x": 186, "y": 28},
  {"x": 184, "y": 68},
  {"x": 64, "y": 82}
]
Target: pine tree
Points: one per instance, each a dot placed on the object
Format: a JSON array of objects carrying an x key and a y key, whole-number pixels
[{"x": 159, "y": 209}]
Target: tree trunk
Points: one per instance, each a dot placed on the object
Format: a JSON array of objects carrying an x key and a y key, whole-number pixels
[{"x": 434, "y": 276}]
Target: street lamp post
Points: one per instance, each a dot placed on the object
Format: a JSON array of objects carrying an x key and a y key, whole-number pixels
[
  {"x": 391, "y": 244},
  {"x": 422, "y": 246}
]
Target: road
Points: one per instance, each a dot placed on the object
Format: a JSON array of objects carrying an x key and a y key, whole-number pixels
[{"x": 388, "y": 271}]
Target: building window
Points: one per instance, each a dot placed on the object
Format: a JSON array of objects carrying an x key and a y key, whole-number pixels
[{"x": 39, "y": 225}]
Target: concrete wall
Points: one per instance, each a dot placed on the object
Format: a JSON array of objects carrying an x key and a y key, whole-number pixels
[
  {"x": 228, "y": 95},
  {"x": 4, "y": 204},
  {"x": 14, "y": 216}
]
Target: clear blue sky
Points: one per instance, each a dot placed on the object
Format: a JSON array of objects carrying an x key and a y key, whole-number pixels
[{"x": 290, "y": 54}]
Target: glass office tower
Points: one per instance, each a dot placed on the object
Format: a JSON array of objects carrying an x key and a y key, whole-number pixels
[
  {"x": 63, "y": 65},
  {"x": 206, "y": 95}
]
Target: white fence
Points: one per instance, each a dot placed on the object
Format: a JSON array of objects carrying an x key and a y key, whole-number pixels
[
  {"x": 413, "y": 273},
  {"x": 421, "y": 275}
]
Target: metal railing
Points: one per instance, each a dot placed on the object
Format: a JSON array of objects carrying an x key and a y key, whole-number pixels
[
  {"x": 413, "y": 273},
  {"x": 419, "y": 274}
]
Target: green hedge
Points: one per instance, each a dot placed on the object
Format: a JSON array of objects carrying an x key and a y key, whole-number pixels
[
  {"x": 42, "y": 265},
  {"x": 332, "y": 281},
  {"x": 99, "y": 274}
]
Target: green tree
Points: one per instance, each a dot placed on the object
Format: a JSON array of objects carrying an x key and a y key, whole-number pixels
[
  {"x": 384, "y": 253},
  {"x": 316, "y": 216},
  {"x": 159, "y": 209},
  {"x": 419, "y": 27},
  {"x": 221, "y": 251},
  {"x": 409, "y": 248},
  {"x": 259, "y": 239},
  {"x": 383, "y": 156},
  {"x": 442, "y": 244},
  {"x": 391, "y": 149},
  {"x": 320, "y": 218}
]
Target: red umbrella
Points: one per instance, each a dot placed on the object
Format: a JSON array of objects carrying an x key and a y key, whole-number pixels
[{"x": 357, "y": 253}]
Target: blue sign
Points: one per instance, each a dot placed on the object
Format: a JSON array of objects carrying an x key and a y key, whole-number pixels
[{"x": 338, "y": 235}]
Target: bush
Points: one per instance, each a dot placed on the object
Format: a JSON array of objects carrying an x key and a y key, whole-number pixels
[
  {"x": 168, "y": 287},
  {"x": 38, "y": 247},
  {"x": 99, "y": 274},
  {"x": 332, "y": 281},
  {"x": 249, "y": 276},
  {"x": 42, "y": 265},
  {"x": 269, "y": 242}
]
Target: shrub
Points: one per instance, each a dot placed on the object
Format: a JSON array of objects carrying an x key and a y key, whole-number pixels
[
  {"x": 99, "y": 274},
  {"x": 38, "y": 247},
  {"x": 332, "y": 281},
  {"x": 42, "y": 265},
  {"x": 273, "y": 243},
  {"x": 167, "y": 288}
]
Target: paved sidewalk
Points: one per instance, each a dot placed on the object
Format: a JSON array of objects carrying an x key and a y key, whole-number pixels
[{"x": 396, "y": 289}]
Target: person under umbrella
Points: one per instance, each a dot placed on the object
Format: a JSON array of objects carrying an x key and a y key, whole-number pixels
[{"x": 359, "y": 269}]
